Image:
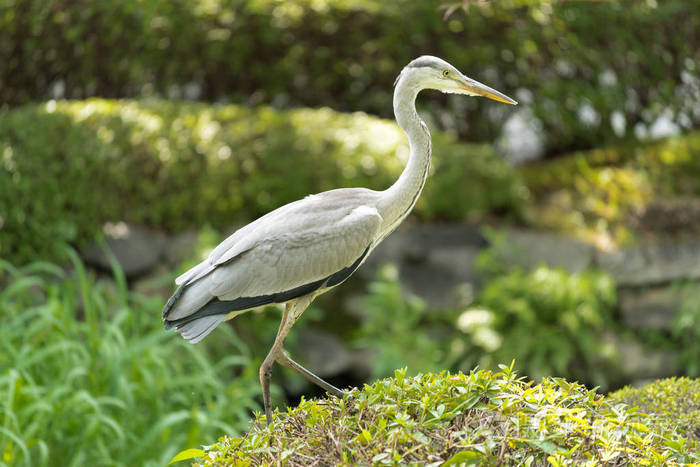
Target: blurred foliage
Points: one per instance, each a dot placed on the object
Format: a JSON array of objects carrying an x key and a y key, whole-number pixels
[
  {"x": 550, "y": 320},
  {"x": 686, "y": 333},
  {"x": 395, "y": 329},
  {"x": 89, "y": 377},
  {"x": 67, "y": 167},
  {"x": 553, "y": 322},
  {"x": 601, "y": 195},
  {"x": 480, "y": 418},
  {"x": 583, "y": 84},
  {"x": 671, "y": 402}
]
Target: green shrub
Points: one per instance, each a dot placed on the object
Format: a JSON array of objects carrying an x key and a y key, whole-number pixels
[
  {"x": 686, "y": 330},
  {"x": 550, "y": 320},
  {"x": 482, "y": 418},
  {"x": 395, "y": 329},
  {"x": 346, "y": 54},
  {"x": 599, "y": 194},
  {"x": 67, "y": 167},
  {"x": 89, "y": 377},
  {"x": 673, "y": 402}
]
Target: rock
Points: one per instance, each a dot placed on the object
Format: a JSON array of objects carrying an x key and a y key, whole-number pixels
[
  {"x": 530, "y": 248},
  {"x": 435, "y": 262},
  {"x": 137, "y": 249},
  {"x": 660, "y": 263},
  {"x": 638, "y": 362},
  {"x": 181, "y": 246},
  {"x": 649, "y": 307},
  {"x": 323, "y": 353},
  {"x": 671, "y": 216}
]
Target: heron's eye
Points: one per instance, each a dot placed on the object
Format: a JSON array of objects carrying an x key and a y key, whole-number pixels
[{"x": 446, "y": 73}]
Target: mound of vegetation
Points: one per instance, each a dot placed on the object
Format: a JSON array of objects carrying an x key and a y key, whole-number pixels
[
  {"x": 480, "y": 418},
  {"x": 67, "y": 167},
  {"x": 671, "y": 402}
]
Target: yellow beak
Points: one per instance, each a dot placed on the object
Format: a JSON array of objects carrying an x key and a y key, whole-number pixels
[{"x": 475, "y": 87}]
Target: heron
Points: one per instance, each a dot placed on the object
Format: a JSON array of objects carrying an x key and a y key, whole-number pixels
[{"x": 305, "y": 248}]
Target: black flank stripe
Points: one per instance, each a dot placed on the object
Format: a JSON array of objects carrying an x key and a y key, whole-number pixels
[{"x": 218, "y": 307}]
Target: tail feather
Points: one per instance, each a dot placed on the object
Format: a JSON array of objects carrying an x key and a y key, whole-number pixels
[
  {"x": 194, "y": 273},
  {"x": 196, "y": 330},
  {"x": 188, "y": 299}
]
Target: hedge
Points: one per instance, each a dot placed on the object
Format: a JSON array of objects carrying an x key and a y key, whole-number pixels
[
  {"x": 672, "y": 402},
  {"x": 575, "y": 65},
  {"x": 480, "y": 418},
  {"x": 617, "y": 194},
  {"x": 67, "y": 167}
]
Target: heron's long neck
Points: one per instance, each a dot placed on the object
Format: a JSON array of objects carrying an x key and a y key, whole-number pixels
[{"x": 398, "y": 200}]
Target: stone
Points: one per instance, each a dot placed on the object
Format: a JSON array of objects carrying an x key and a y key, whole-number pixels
[
  {"x": 658, "y": 263},
  {"x": 638, "y": 362},
  {"x": 323, "y": 353},
  {"x": 137, "y": 249},
  {"x": 181, "y": 246},
  {"x": 530, "y": 248},
  {"x": 652, "y": 307},
  {"x": 435, "y": 262}
]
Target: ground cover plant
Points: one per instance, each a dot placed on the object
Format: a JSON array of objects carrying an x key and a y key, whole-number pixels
[
  {"x": 89, "y": 377},
  {"x": 479, "y": 418}
]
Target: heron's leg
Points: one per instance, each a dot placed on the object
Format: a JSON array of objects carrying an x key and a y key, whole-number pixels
[
  {"x": 284, "y": 359},
  {"x": 266, "y": 367}
]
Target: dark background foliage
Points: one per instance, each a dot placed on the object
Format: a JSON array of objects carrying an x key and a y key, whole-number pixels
[{"x": 635, "y": 57}]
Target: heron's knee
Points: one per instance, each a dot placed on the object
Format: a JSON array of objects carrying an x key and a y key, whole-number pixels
[{"x": 266, "y": 370}]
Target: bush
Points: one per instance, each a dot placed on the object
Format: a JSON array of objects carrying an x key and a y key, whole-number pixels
[
  {"x": 551, "y": 320},
  {"x": 672, "y": 402},
  {"x": 70, "y": 166},
  {"x": 482, "y": 418},
  {"x": 600, "y": 195},
  {"x": 575, "y": 75},
  {"x": 397, "y": 329},
  {"x": 89, "y": 377}
]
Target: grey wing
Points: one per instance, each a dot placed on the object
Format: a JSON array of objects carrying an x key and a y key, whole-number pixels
[
  {"x": 275, "y": 261},
  {"x": 292, "y": 259}
]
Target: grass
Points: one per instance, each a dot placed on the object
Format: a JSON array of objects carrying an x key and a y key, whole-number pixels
[
  {"x": 480, "y": 418},
  {"x": 89, "y": 377}
]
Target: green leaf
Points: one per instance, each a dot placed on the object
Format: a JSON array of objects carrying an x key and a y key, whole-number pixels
[
  {"x": 366, "y": 436},
  {"x": 562, "y": 383},
  {"x": 640, "y": 427},
  {"x": 547, "y": 446},
  {"x": 465, "y": 458},
  {"x": 187, "y": 454}
]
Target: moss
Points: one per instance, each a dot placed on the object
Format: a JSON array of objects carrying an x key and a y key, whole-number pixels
[
  {"x": 67, "y": 167},
  {"x": 480, "y": 418},
  {"x": 600, "y": 195},
  {"x": 669, "y": 402}
]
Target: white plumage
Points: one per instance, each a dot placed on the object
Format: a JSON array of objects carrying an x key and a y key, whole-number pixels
[{"x": 304, "y": 248}]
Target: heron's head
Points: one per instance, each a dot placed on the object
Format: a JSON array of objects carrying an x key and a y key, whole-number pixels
[{"x": 428, "y": 72}]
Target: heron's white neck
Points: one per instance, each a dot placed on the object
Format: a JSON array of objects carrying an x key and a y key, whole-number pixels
[{"x": 398, "y": 200}]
